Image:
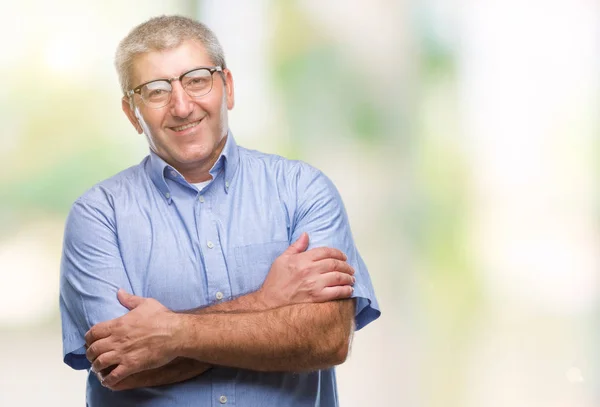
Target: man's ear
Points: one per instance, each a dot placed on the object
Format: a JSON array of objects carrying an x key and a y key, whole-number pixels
[
  {"x": 126, "y": 106},
  {"x": 229, "y": 88}
]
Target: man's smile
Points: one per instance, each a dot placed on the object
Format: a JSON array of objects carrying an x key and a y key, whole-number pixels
[{"x": 185, "y": 126}]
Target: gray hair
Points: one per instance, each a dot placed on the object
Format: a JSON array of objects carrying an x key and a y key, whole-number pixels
[{"x": 162, "y": 33}]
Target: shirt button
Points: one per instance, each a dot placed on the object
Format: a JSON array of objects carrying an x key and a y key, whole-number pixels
[
  {"x": 210, "y": 244},
  {"x": 227, "y": 184},
  {"x": 219, "y": 295},
  {"x": 223, "y": 399},
  {"x": 173, "y": 174},
  {"x": 167, "y": 195},
  {"x": 201, "y": 198}
]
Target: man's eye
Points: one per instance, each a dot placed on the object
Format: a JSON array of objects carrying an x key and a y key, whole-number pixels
[
  {"x": 197, "y": 82},
  {"x": 156, "y": 93}
]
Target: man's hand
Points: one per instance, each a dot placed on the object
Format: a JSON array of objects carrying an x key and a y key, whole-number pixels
[
  {"x": 179, "y": 370},
  {"x": 139, "y": 340},
  {"x": 317, "y": 275}
]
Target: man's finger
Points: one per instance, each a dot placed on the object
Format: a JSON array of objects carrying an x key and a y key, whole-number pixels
[
  {"x": 339, "y": 292},
  {"x": 105, "y": 360},
  {"x": 97, "y": 332},
  {"x": 129, "y": 300},
  {"x": 321, "y": 253},
  {"x": 299, "y": 245},
  {"x": 329, "y": 265},
  {"x": 119, "y": 373},
  {"x": 98, "y": 348},
  {"x": 336, "y": 278},
  {"x": 101, "y": 375}
]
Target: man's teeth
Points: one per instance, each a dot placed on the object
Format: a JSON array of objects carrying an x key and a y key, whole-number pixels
[{"x": 187, "y": 126}]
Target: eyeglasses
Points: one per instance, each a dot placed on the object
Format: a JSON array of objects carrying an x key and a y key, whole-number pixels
[{"x": 157, "y": 93}]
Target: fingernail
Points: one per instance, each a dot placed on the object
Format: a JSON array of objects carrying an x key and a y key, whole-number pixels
[{"x": 353, "y": 280}]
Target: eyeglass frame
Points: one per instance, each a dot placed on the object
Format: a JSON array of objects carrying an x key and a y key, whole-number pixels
[{"x": 138, "y": 89}]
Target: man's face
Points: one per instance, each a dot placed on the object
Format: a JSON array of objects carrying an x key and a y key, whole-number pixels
[{"x": 188, "y": 132}]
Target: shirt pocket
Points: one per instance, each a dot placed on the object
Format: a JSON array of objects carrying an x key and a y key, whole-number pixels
[{"x": 252, "y": 264}]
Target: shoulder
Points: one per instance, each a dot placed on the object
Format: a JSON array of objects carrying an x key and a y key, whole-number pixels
[
  {"x": 93, "y": 216},
  {"x": 101, "y": 203},
  {"x": 288, "y": 171},
  {"x": 125, "y": 183},
  {"x": 299, "y": 183}
]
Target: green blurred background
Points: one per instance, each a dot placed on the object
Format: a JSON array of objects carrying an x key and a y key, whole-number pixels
[{"x": 462, "y": 136}]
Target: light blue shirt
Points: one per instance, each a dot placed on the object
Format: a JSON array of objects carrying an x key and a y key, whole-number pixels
[{"x": 150, "y": 232}]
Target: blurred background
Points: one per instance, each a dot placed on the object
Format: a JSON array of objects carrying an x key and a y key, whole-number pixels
[{"x": 462, "y": 135}]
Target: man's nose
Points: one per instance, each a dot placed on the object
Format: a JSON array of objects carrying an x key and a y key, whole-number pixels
[{"x": 181, "y": 104}]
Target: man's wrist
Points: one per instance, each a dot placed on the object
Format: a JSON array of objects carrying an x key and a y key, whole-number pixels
[
  {"x": 263, "y": 301},
  {"x": 179, "y": 334}
]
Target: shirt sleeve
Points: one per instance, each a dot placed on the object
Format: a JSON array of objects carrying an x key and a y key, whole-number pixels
[
  {"x": 91, "y": 273},
  {"x": 320, "y": 212}
]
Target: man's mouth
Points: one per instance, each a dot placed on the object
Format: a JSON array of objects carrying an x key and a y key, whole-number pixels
[{"x": 186, "y": 126}]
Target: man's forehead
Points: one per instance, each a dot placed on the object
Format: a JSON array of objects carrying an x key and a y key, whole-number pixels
[{"x": 169, "y": 63}]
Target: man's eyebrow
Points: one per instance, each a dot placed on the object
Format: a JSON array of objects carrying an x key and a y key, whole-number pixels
[{"x": 163, "y": 78}]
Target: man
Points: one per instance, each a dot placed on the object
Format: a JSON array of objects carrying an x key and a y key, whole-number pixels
[{"x": 208, "y": 274}]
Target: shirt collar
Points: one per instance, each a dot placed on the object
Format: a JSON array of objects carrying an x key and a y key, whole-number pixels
[{"x": 228, "y": 159}]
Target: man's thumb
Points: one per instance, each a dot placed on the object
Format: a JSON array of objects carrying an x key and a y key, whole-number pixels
[
  {"x": 129, "y": 300},
  {"x": 299, "y": 245}
]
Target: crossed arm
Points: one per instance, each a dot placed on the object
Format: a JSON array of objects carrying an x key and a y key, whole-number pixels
[
  {"x": 294, "y": 338},
  {"x": 152, "y": 346}
]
